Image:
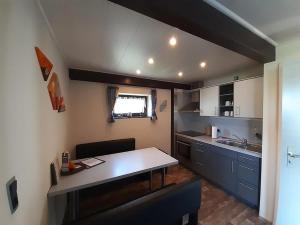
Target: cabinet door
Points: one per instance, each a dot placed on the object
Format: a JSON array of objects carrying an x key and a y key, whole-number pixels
[
  {"x": 201, "y": 159},
  {"x": 227, "y": 172},
  {"x": 209, "y": 101},
  {"x": 248, "y": 98}
]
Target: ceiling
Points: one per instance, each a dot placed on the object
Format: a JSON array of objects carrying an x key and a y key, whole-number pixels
[
  {"x": 278, "y": 19},
  {"x": 101, "y": 36}
]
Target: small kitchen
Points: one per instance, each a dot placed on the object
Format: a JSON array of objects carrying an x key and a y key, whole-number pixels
[{"x": 218, "y": 133}]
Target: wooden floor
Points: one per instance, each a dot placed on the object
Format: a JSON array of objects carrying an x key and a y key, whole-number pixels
[{"x": 217, "y": 207}]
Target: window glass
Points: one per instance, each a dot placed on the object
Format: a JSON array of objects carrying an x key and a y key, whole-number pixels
[{"x": 131, "y": 106}]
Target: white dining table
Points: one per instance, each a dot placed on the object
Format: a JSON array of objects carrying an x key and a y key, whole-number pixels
[{"x": 117, "y": 166}]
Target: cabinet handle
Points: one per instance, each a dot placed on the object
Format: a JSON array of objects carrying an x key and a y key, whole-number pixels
[
  {"x": 246, "y": 186},
  {"x": 247, "y": 168},
  {"x": 200, "y": 164},
  {"x": 242, "y": 157},
  {"x": 232, "y": 167},
  {"x": 199, "y": 150}
]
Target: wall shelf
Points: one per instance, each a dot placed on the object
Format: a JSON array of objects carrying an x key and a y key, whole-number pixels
[{"x": 226, "y": 95}]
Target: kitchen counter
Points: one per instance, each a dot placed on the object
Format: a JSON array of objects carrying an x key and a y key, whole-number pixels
[{"x": 209, "y": 140}]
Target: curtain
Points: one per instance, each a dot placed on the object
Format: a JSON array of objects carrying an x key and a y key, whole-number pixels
[
  {"x": 112, "y": 94},
  {"x": 153, "y": 102}
]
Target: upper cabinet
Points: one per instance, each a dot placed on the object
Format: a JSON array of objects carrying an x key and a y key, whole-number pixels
[
  {"x": 248, "y": 98},
  {"x": 209, "y": 101}
]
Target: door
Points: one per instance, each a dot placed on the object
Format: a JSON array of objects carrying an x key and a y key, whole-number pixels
[
  {"x": 209, "y": 101},
  {"x": 248, "y": 98},
  {"x": 289, "y": 182}
]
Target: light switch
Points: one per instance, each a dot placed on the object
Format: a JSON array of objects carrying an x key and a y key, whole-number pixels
[{"x": 12, "y": 194}]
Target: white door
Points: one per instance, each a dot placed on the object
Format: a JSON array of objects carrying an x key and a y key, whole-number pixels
[
  {"x": 288, "y": 210},
  {"x": 209, "y": 101},
  {"x": 248, "y": 98}
]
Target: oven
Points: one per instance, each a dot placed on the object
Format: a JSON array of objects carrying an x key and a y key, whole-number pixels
[{"x": 183, "y": 149}]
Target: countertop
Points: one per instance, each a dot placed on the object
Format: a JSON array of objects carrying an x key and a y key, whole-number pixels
[{"x": 209, "y": 140}]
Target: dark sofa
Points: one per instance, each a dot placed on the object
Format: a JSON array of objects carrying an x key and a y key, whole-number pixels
[
  {"x": 166, "y": 206},
  {"x": 104, "y": 148}
]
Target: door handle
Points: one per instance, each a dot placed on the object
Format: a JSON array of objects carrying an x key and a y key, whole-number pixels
[
  {"x": 183, "y": 143},
  {"x": 290, "y": 154}
]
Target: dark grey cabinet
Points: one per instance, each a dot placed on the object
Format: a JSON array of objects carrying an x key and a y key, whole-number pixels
[
  {"x": 226, "y": 172},
  {"x": 236, "y": 173},
  {"x": 248, "y": 176},
  {"x": 201, "y": 157}
]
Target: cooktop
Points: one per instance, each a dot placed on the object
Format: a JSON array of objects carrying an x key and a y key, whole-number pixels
[{"x": 191, "y": 133}]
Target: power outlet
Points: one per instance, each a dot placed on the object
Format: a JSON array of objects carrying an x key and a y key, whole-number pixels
[{"x": 185, "y": 219}]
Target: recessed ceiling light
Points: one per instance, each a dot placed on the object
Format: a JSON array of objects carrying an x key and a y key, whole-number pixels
[
  {"x": 180, "y": 74},
  {"x": 173, "y": 41},
  {"x": 138, "y": 72},
  {"x": 203, "y": 64},
  {"x": 151, "y": 61}
]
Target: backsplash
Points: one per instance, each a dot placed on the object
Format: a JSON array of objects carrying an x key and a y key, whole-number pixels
[{"x": 243, "y": 128}]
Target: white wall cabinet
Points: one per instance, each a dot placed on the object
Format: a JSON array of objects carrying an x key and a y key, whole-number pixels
[
  {"x": 248, "y": 98},
  {"x": 209, "y": 101}
]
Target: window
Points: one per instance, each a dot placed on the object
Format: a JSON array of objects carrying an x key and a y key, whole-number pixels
[{"x": 131, "y": 106}]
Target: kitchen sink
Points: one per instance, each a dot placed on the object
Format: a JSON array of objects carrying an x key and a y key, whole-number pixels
[{"x": 235, "y": 143}]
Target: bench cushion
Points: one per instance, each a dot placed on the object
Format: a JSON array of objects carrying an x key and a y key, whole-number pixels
[{"x": 104, "y": 148}]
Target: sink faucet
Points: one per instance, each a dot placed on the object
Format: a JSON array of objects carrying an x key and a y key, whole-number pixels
[{"x": 243, "y": 140}]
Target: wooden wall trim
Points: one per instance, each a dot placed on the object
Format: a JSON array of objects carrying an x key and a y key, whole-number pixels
[
  {"x": 172, "y": 123},
  {"x": 202, "y": 20},
  {"x": 100, "y": 77}
]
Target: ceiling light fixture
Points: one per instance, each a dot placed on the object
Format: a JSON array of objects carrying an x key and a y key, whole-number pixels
[
  {"x": 203, "y": 64},
  {"x": 138, "y": 71},
  {"x": 151, "y": 61},
  {"x": 180, "y": 74},
  {"x": 173, "y": 41}
]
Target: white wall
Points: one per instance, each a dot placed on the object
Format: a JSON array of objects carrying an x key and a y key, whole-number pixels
[
  {"x": 31, "y": 133},
  {"x": 89, "y": 118}
]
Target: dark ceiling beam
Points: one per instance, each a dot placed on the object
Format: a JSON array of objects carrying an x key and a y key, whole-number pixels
[
  {"x": 91, "y": 76},
  {"x": 200, "y": 19}
]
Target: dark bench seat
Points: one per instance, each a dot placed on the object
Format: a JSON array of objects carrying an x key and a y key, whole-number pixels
[
  {"x": 88, "y": 150},
  {"x": 166, "y": 206}
]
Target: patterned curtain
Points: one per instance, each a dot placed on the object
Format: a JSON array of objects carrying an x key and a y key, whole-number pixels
[
  {"x": 112, "y": 94},
  {"x": 153, "y": 102}
]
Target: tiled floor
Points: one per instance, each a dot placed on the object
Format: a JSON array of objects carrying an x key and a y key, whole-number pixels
[{"x": 217, "y": 207}]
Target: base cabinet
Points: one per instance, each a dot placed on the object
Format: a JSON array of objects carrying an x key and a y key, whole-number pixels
[{"x": 236, "y": 173}]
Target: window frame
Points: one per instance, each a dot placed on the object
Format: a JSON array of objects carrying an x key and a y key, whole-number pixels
[{"x": 133, "y": 115}]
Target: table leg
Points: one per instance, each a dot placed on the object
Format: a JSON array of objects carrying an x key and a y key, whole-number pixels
[
  {"x": 163, "y": 177},
  {"x": 150, "y": 180},
  {"x": 73, "y": 198}
]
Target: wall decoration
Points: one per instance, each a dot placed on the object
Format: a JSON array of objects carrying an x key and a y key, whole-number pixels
[
  {"x": 57, "y": 100},
  {"x": 163, "y": 106},
  {"x": 45, "y": 64}
]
